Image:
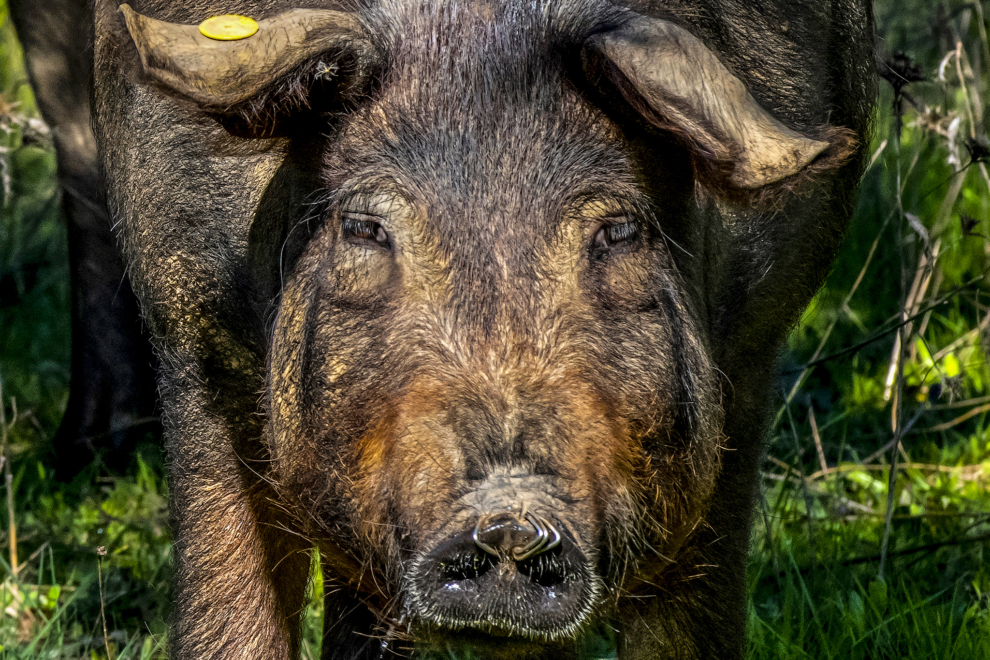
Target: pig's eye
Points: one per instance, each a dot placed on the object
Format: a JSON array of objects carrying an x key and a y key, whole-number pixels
[
  {"x": 363, "y": 230},
  {"x": 614, "y": 233}
]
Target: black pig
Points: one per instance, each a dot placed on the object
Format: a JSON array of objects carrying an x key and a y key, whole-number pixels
[
  {"x": 480, "y": 298},
  {"x": 112, "y": 399}
]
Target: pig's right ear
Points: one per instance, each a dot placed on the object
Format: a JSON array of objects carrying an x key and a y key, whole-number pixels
[
  {"x": 222, "y": 75},
  {"x": 673, "y": 80}
]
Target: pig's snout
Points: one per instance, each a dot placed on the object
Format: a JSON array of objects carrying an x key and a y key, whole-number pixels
[{"x": 506, "y": 575}]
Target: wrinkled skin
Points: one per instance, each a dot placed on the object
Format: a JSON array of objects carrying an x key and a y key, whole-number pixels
[{"x": 482, "y": 283}]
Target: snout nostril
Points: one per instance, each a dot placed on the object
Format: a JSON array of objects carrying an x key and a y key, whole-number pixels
[{"x": 505, "y": 535}]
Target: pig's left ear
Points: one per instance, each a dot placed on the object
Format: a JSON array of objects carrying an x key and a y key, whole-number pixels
[{"x": 671, "y": 78}]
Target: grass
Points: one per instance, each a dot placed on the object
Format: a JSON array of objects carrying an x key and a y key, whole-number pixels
[
  {"x": 812, "y": 596},
  {"x": 862, "y": 620},
  {"x": 919, "y": 248}
]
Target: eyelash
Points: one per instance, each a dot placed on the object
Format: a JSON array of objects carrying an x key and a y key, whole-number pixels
[
  {"x": 612, "y": 234},
  {"x": 364, "y": 231}
]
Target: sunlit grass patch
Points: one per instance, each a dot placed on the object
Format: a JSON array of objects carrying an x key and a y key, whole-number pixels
[{"x": 838, "y": 616}]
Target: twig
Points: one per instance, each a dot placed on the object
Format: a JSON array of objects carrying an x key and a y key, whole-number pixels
[
  {"x": 9, "y": 481},
  {"x": 966, "y": 403},
  {"x": 900, "y": 553},
  {"x": 817, "y": 438},
  {"x": 897, "y": 409},
  {"x": 921, "y": 548},
  {"x": 896, "y": 441},
  {"x": 945, "y": 426},
  {"x": 34, "y": 555},
  {"x": 919, "y": 287},
  {"x": 971, "y": 110},
  {"x": 968, "y": 472},
  {"x": 808, "y": 502},
  {"x": 787, "y": 466},
  {"x": 981, "y": 24},
  {"x": 100, "y": 552}
]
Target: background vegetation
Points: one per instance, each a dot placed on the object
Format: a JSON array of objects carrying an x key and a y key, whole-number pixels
[{"x": 850, "y": 558}]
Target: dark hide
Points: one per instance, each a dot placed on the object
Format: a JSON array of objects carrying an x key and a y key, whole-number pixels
[
  {"x": 112, "y": 401},
  {"x": 481, "y": 270}
]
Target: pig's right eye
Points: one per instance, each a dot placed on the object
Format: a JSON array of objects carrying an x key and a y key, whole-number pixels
[{"x": 362, "y": 230}]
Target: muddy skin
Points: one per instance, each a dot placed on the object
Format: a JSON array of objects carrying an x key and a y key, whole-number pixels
[{"x": 475, "y": 313}]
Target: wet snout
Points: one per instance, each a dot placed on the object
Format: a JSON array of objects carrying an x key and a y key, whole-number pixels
[{"x": 508, "y": 573}]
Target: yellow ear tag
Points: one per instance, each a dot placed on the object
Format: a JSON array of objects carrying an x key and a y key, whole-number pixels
[{"x": 229, "y": 27}]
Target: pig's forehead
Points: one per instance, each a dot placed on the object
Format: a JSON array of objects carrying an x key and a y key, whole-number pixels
[
  {"x": 474, "y": 57},
  {"x": 448, "y": 30},
  {"x": 553, "y": 155},
  {"x": 477, "y": 105}
]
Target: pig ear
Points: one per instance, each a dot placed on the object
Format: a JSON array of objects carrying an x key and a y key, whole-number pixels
[
  {"x": 222, "y": 74},
  {"x": 672, "y": 78}
]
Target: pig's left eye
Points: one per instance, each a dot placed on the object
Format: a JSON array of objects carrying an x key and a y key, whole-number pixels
[
  {"x": 614, "y": 233},
  {"x": 363, "y": 230}
]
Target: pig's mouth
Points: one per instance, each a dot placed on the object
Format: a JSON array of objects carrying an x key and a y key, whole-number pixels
[{"x": 511, "y": 576}]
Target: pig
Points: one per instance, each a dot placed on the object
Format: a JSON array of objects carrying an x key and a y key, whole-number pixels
[
  {"x": 112, "y": 403},
  {"x": 479, "y": 299}
]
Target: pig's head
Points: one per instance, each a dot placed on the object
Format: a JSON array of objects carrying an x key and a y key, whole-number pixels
[
  {"x": 492, "y": 399},
  {"x": 485, "y": 363}
]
